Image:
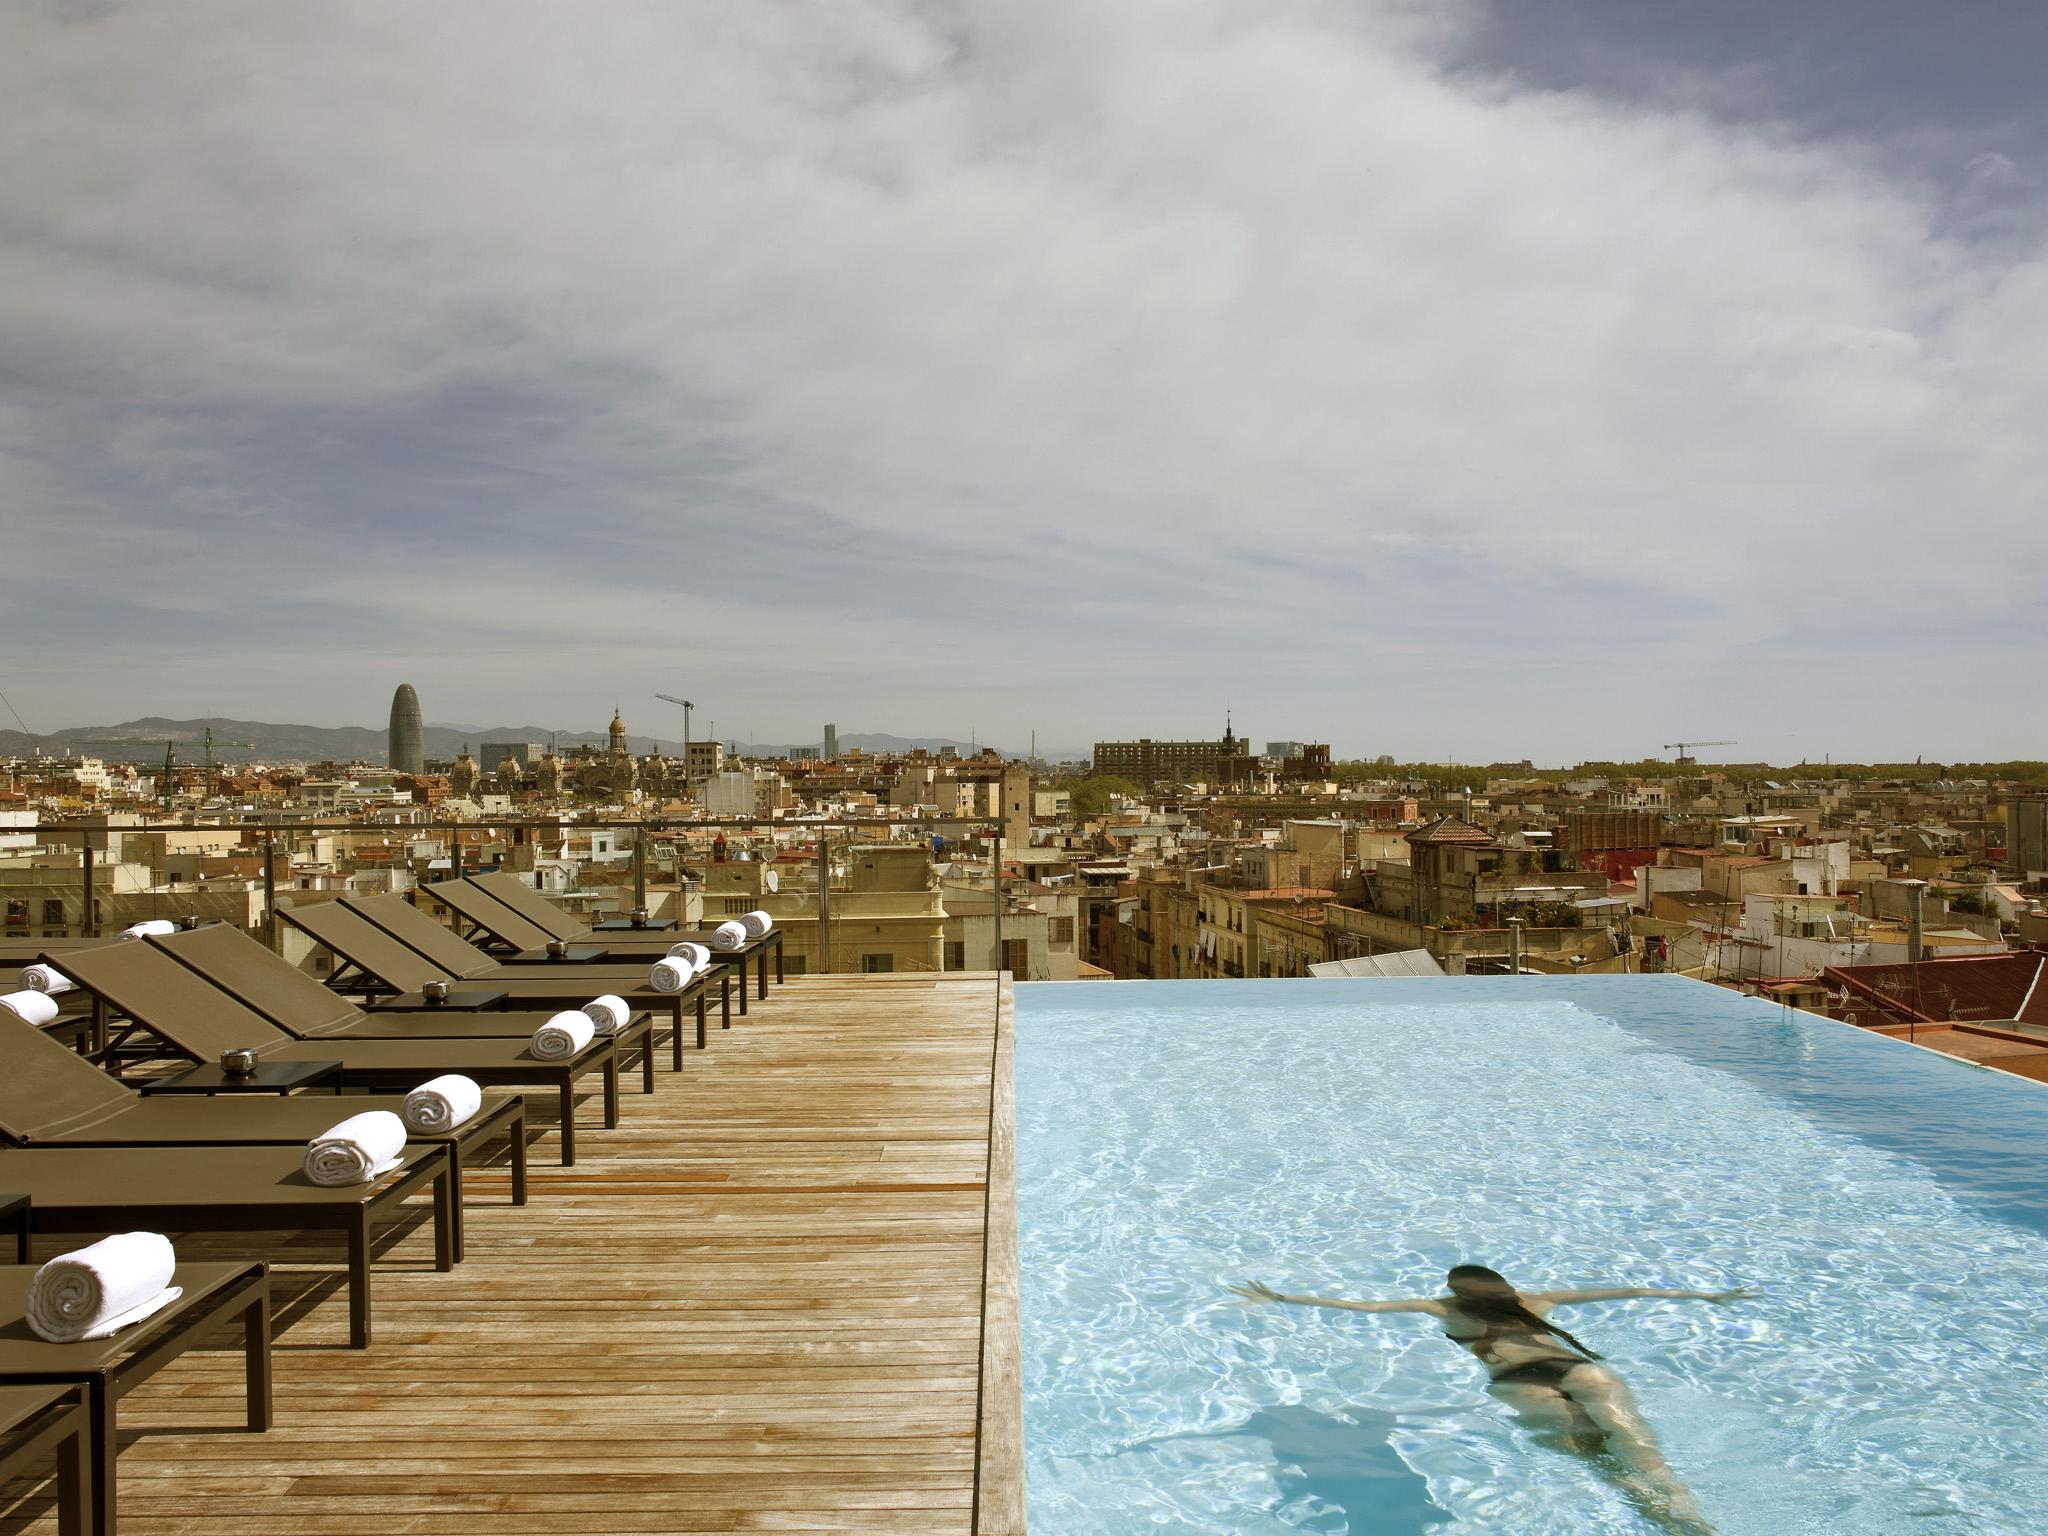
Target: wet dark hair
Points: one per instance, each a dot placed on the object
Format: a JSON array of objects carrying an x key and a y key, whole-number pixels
[{"x": 1505, "y": 1308}]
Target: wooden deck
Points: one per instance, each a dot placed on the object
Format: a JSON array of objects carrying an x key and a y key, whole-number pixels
[{"x": 758, "y": 1305}]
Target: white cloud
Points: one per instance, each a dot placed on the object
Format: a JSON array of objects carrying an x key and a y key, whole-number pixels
[{"x": 1027, "y": 299}]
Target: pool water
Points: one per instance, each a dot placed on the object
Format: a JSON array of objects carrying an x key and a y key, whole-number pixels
[{"x": 1357, "y": 1138}]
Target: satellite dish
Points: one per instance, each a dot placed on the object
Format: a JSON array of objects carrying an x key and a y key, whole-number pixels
[{"x": 770, "y": 881}]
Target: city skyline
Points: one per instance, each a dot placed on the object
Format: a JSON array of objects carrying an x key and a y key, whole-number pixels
[
  {"x": 1463, "y": 383},
  {"x": 91, "y": 738}
]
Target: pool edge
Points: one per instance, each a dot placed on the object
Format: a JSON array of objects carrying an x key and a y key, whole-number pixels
[{"x": 999, "y": 1426}]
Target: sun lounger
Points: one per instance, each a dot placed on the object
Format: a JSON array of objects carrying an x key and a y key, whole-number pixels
[
  {"x": 50, "y": 1096},
  {"x": 182, "y": 1008},
  {"x": 19, "y": 951},
  {"x": 41, "y": 1421},
  {"x": 440, "y": 946},
  {"x": 106, "y": 1370},
  {"x": 265, "y": 982},
  {"x": 376, "y": 959},
  {"x": 74, "y": 1024},
  {"x": 524, "y": 922},
  {"x": 520, "y": 945},
  {"x": 540, "y": 915},
  {"x": 228, "y": 1189}
]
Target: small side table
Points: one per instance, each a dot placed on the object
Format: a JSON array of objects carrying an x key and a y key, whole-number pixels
[
  {"x": 278, "y": 1077},
  {"x": 576, "y": 954},
  {"x": 455, "y": 1002},
  {"x": 627, "y": 925},
  {"x": 15, "y": 1208}
]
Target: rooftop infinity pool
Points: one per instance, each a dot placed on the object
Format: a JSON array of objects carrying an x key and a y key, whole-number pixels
[{"x": 1356, "y": 1139}]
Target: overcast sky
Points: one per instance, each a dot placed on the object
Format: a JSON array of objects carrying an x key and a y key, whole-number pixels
[{"x": 1451, "y": 380}]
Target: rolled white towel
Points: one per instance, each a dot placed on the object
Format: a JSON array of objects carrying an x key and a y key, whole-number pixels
[
  {"x": 729, "y": 935},
  {"x": 46, "y": 978},
  {"x": 36, "y": 1008},
  {"x": 670, "y": 974},
  {"x": 697, "y": 954},
  {"x": 99, "y": 1289},
  {"x": 440, "y": 1104},
  {"x": 563, "y": 1035},
  {"x": 757, "y": 924},
  {"x": 356, "y": 1150},
  {"x": 608, "y": 1012},
  {"x": 144, "y": 929}
]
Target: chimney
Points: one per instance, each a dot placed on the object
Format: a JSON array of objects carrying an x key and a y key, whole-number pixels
[{"x": 1916, "y": 897}]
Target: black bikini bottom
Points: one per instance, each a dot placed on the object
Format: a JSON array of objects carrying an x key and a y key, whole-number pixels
[{"x": 1540, "y": 1373}]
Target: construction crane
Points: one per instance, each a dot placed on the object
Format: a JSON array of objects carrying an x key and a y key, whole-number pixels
[
  {"x": 213, "y": 764},
  {"x": 669, "y": 698},
  {"x": 1684, "y": 748}
]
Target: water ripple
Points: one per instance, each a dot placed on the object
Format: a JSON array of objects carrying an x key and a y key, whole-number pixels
[{"x": 1356, "y": 1139}]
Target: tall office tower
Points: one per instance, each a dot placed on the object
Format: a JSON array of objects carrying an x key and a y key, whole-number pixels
[
  {"x": 408, "y": 754},
  {"x": 831, "y": 741}
]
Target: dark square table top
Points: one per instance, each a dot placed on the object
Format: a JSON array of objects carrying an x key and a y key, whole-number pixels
[
  {"x": 269, "y": 1077},
  {"x": 627, "y": 925},
  {"x": 576, "y": 954},
  {"x": 457, "y": 1001}
]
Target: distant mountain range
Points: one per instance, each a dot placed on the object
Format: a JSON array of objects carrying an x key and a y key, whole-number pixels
[{"x": 239, "y": 741}]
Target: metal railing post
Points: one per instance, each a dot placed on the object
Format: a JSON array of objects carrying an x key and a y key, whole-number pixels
[
  {"x": 998, "y": 889},
  {"x": 270, "y": 887},
  {"x": 88, "y": 928},
  {"x": 640, "y": 867},
  {"x": 824, "y": 900}
]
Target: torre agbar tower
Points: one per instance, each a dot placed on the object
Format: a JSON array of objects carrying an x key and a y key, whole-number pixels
[{"x": 407, "y": 753}]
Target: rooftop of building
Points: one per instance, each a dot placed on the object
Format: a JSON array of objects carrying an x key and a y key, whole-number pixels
[{"x": 1453, "y": 830}]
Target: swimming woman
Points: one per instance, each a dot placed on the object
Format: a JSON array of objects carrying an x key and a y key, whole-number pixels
[{"x": 1554, "y": 1383}]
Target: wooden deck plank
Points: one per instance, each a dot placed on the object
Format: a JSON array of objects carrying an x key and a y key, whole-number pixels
[{"x": 758, "y": 1305}]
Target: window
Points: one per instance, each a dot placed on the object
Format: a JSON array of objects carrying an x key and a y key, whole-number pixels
[
  {"x": 1017, "y": 958},
  {"x": 1063, "y": 930},
  {"x": 872, "y": 964},
  {"x": 53, "y": 914},
  {"x": 956, "y": 956}
]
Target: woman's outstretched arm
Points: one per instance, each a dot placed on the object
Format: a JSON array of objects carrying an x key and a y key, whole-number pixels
[
  {"x": 1636, "y": 1292},
  {"x": 1252, "y": 1290}
]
